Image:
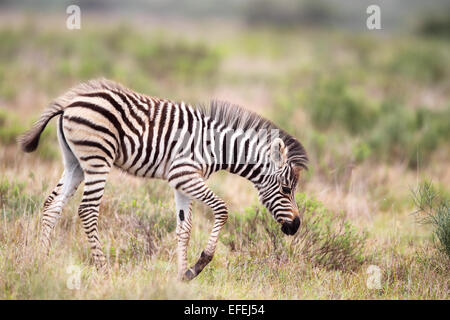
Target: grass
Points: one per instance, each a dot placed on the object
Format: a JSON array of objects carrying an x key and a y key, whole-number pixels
[
  {"x": 261, "y": 264},
  {"x": 10, "y": 127},
  {"x": 433, "y": 208},
  {"x": 372, "y": 113}
]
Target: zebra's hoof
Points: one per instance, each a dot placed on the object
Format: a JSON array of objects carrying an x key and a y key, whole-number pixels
[
  {"x": 102, "y": 267},
  {"x": 188, "y": 275}
]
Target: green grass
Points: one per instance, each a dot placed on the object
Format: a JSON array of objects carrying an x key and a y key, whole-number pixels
[
  {"x": 322, "y": 261},
  {"x": 372, "y": 112},
  {"x": 14, "y": 202},
  {"x": 10, "y": 127},
  {"x": 433, "y": 208}
]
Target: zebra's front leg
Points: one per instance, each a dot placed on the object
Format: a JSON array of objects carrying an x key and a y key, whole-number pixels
[
  {"x": 184, "y": 226},
  {"x": 200, "y": 191},
  {"x": 220, "y": 217}
]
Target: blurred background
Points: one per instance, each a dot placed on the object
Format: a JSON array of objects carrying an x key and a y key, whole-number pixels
[
  {"x": 350, "y": 94},
  {"x": 371, "y": 107}
]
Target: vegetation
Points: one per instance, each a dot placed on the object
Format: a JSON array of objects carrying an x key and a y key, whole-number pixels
[
  {"x": 433, "y": 208},
  {"x": 326, "y": 239},
  {"x": 372, "y": 112}
]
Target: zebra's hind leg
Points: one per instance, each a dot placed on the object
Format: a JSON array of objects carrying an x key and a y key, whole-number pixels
[
  {"x": 55, "y": 202},
  {"x": 95, "y": 147},
  {"x": 64, "y": 190},
  {"x": 184, "y": 226},
  {"x": 94, "y": 187}
]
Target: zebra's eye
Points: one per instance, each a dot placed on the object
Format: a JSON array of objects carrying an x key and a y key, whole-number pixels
[{"x": 286, "y": 189}]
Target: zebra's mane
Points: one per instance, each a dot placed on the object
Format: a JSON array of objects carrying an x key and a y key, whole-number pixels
[{"x": 237, "y": 117}]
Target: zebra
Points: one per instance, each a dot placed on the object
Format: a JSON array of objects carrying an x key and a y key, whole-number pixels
[{"x": 102, "y": 124}]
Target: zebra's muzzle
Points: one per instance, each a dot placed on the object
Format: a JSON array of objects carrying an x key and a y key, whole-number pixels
[{"x": 290, "y": 228}]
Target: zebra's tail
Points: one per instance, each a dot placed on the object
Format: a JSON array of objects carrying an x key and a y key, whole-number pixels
[{"x": 29, "y": 140}]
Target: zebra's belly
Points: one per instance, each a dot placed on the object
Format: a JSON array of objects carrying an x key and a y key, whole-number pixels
[{"x": 158, "y": 170}]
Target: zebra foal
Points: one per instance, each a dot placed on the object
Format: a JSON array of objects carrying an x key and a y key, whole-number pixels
[{"x": 103, "y": 124}]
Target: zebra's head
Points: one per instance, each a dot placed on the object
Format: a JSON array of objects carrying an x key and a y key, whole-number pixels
[{"x": 278, "y": 190}]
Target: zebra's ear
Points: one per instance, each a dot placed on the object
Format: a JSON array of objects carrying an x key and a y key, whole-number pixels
[{"x": 278, "y": 152}]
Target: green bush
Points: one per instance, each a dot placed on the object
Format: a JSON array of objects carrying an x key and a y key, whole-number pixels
[
  {"x": 14, "y": 201},
  {"x": 121, "y": 53},
  {"x": 361, "y": 151},
  {"x": 332, "y": 104},
  {"x": 422, "y": 62},
  {"x": 386, "y": 131},
  {"x": 10, "y": 127},
  {"x": 182, "y": 59},
  {"x": 246, "y": 230},
  {"x": 289, "y": 13},
  {"x": 407, "y": 134},
  {"x": 434, "y": 208},
  {"x": 325, "y": 239},
  {"x": 437, "y": 25}
]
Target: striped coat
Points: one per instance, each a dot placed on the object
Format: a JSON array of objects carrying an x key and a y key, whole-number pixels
[{"x": 103, "y": 124}]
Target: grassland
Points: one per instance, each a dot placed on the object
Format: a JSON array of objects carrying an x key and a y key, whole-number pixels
[{"x": 372, "y": 110}]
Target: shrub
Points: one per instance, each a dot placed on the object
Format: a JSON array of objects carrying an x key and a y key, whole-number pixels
[
  {"x": 289, "y": 13},
  {"x": 389, "y": 131},
  {"x": 180, "y": 59},
  {"x": 10, "y": 127},
  {"x": 406, "y": 134},
  {"x": 433, "y": 208},
  {"x": 332, "y": 103},
  {"x": 361, "y": 151},
  {"x": 325, "y": 239},
  {"x": 246, "y": 230},
  {"x": 421, "y": 62},
  {"x": 435, "y": 26}
]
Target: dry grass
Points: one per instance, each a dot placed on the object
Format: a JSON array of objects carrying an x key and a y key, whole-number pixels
[
  {"x": 261, "y": 70},
  {"x": 142, "y": 257}
]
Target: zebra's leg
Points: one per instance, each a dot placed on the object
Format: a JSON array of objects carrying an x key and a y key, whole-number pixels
[
  {"x": 64, "y": 190},
  {"x": 184, "y": 226},
  {"x": 96, "y": 151},
  {"x": 50, "y": 215},
  {"x": 53, "y": 205},
  {"x": 195, "y": 188},
  {"x": 94, "y": 187}
]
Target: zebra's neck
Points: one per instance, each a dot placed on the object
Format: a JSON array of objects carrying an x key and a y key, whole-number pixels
[{"x": 240, "y": 151}]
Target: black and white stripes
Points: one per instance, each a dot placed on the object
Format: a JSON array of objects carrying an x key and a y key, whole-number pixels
[{"x": 103, "y": 124}]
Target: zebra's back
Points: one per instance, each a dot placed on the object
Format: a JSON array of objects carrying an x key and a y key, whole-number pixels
[{"x": 120, "y": 127}]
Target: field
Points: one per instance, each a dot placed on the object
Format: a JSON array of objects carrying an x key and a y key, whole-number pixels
[{"x": 372, "y": 110}]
